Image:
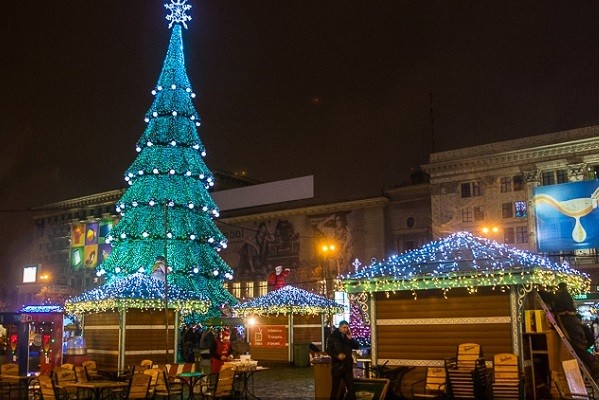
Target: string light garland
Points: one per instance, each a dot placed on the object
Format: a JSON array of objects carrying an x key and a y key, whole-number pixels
[
  {"x": 137, "y": 291},
  {"x": 461, "y": 260},
  {"x": 289, "y": 299}
]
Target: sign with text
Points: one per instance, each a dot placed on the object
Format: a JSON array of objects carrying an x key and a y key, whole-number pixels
[{"x": 273, "y": 336}]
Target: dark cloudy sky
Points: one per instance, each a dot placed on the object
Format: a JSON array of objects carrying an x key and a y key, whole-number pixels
[{"x": 340, "y": 89}]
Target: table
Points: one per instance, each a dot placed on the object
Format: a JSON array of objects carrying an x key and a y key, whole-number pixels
[
  {"x": 190, "y": 379},
  {"x": 22, "y": 382},
  {"x": 245, "y": 378},
  {"x": 97, "y": 386}
]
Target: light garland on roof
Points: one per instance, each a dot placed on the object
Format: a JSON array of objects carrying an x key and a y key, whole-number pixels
[
  {"x": 464, "y": 261},
  {"x": 137, "y": 291},
  {"x": 288, "y": 300}
]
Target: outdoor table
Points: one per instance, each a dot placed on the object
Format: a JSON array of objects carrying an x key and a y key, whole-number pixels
[
  {"x": 190, "y": 379},
  {"x": 22, "y": 382},
  {"x": 97, "y": 386},
  {"x": 245, "y": 378}
]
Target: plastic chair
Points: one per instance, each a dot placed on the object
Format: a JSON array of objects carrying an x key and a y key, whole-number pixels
[{"x": 508, "y": 381}]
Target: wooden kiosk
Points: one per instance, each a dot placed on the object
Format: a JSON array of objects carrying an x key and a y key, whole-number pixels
[
  {"x": 459, "y": 289},
  {"x": 285, "y": 322},
  {"x": 131, "y": 319}
]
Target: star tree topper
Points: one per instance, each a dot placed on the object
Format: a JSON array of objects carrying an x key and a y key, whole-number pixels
[{"x": 177, "y": 9}]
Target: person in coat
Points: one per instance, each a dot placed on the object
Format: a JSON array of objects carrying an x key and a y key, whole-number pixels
[{"x": 339, "y": 346}]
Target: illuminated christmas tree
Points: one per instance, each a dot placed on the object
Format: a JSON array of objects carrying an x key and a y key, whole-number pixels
[{"x": 166, "y": 212}]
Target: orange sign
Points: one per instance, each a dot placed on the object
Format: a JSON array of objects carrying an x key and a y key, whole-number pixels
[{"x": 273, "y": 336}]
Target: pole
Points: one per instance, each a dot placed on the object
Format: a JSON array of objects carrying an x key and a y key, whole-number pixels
[{"x": 166, "y": 280}]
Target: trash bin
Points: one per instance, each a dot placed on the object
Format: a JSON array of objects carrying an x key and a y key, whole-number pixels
[{"x": 300, "y": 354}]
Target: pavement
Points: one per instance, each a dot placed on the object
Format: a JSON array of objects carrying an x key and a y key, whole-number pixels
[{"x": 284, "y": 381}]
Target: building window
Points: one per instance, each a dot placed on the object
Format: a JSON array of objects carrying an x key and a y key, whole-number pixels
[
  {"x": 236, "y": 289},
  {"x": 249, "y": 290},
  {"x": 547, "y": 178},
  {"x": 507, "y": 210},
  {"x": 409, "y": 245},
  {"x": 521, "y": 234},
  {"x": 561, "y": 175},
  {"x": 521, "y": 208},
  {"x": 262, "y": 288},
  {"x": 506, "y": 184},
  {"x": 471, "y": 189},
  {"x": 410, "y": 222},
  {"x": 467, "y": 215},
  {"x": 479, "y": 213},
  {"x": 518, "y": 183},
  {"x": 508, "y": 235},
  {"x": 593, "y": 172},
  {"x": 553, "y": 177}
]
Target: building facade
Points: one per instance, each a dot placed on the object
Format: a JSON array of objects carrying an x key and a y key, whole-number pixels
[{"x": 490, "y": 189}]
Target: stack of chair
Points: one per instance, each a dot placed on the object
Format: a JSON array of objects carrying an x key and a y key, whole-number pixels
[
  {"x": 508, "y": 380},
  {"x": 432, "y": 387},
  {"x": 467, "y": 374}
]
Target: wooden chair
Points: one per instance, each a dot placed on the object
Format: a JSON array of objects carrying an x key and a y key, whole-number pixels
[
  {"x": 432, "y": 386},
  {"x": 166, "y": 388},
  {"x": 508, "y": 380},
  {"x": 48, "y": 388},
  {"x": 222, "y": 384},
  {"x": 91, "y": 370},
  {"x": 9, "y": 369},
  {"x": 153, "y": 373},
  {"x": 145, "y": 364},
  {"x": 140, "y": 386},
  {"x": 467, "y": 374},
  {"x": 61, "y": 376},
  {"x": 575, "y": 388}
]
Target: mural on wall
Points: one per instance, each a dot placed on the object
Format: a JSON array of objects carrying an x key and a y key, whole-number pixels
[
  {"x": 566, "y": 216},
  {"x": 334, "y": 229},
  {"x": 259, "y": 250},
  {"x": 256, "y": 248}
]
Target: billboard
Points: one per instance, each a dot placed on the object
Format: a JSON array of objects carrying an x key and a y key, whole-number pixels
[
  {"x": 566, "y": 216},
  {"x": 88, "y": 243}
]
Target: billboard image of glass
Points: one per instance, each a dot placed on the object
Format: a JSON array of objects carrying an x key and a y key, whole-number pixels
[{"x": 566, "y": 216}]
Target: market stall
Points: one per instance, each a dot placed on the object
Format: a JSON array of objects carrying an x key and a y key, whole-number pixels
[{"x": 285, "y": 322}]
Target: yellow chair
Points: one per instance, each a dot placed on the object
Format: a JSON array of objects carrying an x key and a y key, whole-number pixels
[
  {"x": 140, "y": 386},
  {"x": 433, "y": 386},
  {"x": 146, "y": 364},
  {"x": 153, "y": 373},
  {"x": 223, "y": 385}
]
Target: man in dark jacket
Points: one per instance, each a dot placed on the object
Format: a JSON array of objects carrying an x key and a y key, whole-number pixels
[
  {"x": 339, "y": 346},
  {"x": 568, "y": 319}
]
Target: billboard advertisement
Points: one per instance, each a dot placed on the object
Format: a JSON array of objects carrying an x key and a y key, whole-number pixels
[
  {"x": 566, "y": 216},
  {"x": 88, "y": 243},
  {"x": 271, "y": 336}
]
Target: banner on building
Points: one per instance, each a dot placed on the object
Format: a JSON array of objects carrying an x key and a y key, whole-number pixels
[
  {"x": 88, "y": 243},
  {"x": 566, "y": 216}
]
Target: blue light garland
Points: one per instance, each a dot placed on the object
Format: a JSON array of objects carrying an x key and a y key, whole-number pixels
[
  {"x": 287, "y": 300},
  {"x": 462, "y": 260}
]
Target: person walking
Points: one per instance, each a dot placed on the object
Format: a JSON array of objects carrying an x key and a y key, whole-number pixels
[{"x": 339, "y": 346}]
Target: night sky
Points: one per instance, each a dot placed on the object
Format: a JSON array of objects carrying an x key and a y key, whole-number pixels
[{"x": 356, "y": 93}]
